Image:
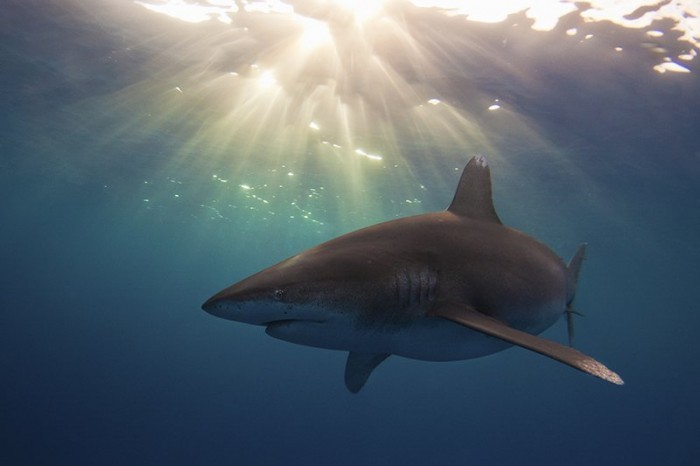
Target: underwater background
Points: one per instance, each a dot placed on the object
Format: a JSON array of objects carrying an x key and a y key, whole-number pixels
[{"x": 149, "y": 157}]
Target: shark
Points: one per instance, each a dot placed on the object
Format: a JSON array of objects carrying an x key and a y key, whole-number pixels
[{"x": 442, "y": 286}]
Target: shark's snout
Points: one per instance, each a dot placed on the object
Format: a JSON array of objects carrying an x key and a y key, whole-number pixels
[
  {"x": 209, "y": 305},
  {"x": 213, "y": 306},
  {"x": 256, "y": 308},
  {"x": 232, "y": 309},
  {"x": 225, "y": 304}
]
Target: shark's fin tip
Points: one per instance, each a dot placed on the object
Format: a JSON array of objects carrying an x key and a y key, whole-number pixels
[
  {"x": 473, "y": 196},
  {"x": 359, "y": 367}
]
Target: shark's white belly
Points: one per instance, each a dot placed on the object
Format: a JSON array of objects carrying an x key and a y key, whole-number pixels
[{"x": 428, "y": 339}]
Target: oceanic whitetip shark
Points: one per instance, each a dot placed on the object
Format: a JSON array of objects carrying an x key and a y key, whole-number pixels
[{"x": 442, "y": 286}]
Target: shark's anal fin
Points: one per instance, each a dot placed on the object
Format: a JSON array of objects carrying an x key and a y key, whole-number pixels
[
  {"x": 475, "y": 320},
  {"x": 359, "y": 367}
]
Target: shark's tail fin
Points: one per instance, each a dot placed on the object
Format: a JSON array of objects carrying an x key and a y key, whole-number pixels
[{"x": 573, "y": 268}]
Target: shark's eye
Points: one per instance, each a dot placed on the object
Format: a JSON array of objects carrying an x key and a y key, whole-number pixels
[{"x": 279, "y": 294}]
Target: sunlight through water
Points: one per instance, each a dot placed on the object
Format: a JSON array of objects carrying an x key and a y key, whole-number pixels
[
  {"x": 343, "y": 69},
  {"x": 356, "y": 84}
]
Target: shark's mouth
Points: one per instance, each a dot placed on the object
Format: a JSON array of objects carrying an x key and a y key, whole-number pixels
[
  {"x": 309, "y": 332},
  {"x": 288, "y": 322},
  {"x": 272, "y": 323}
]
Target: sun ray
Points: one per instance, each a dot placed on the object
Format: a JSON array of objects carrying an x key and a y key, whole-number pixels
[{"x": 351, "y": 86}]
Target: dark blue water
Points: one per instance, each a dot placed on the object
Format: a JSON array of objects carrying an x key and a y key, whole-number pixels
[{"x": 114, "y": 230}]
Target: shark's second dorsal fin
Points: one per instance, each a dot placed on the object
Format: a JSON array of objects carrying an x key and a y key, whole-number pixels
[{"x": 473, "y": 196}]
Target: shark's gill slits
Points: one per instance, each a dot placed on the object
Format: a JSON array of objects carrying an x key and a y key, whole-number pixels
[
  {"x": 429, "y": 278},
  {"x": 414, "y": 287}
]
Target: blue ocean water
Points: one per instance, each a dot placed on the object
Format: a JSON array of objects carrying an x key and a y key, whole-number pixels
[{"x": 123, "y": 209}]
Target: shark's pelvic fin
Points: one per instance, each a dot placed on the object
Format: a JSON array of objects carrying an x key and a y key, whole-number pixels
[
  {"x": 359, "y": 367},
  {"x": 473, "y": 196},
  {"x": 576, "y": 261},
  {"x": 475, "y": 320},
  {"x": 573, "y": 268}
]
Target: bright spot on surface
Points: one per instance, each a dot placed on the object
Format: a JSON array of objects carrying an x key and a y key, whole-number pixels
[
  {"x": 670, "y": 66},
  {"x": 494, "y": 107},
  {"x": 315, "y": 34},
  {"x": 434, "y": 101},
  {"x": 314, "y": 126},
  {"x": 267, "y": 78},
  {"x": 362, "y": 10},
  {"x": 688, "y": 56},
  {"x": 266, "y": 6},
  {"x": 655, "y": 33},
  {"x": 369, "y": 156},
  {"x": 571, "y": 32},
  {"x": 486, "y": 12},
  {"x": 192, "y": 12},
  {"x": 547, "y": 14},
  {"x": 245, "y": 187}
]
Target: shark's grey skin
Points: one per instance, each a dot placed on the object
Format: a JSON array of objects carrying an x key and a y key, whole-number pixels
[{"x": 441, "y": 286}]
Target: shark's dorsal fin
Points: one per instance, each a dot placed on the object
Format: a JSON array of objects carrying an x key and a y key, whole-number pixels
[
  {"x": 470, "y": 318},
  {"x": 473, "y": 196},
  {"x": 358, "y": 368}
]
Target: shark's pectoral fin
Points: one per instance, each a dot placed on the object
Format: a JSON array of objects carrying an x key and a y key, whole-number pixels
[
  {"x": 475, "y": 320},
  {"x": 359, "y": 367}
]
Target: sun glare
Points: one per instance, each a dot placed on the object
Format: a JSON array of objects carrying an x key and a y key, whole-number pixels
[
  {"x": 315, "y": 33},
  {"x": 362, "y": 10}
]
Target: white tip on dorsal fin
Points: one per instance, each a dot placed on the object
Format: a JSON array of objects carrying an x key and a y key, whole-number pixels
[{"x": 473, "y": 196}]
